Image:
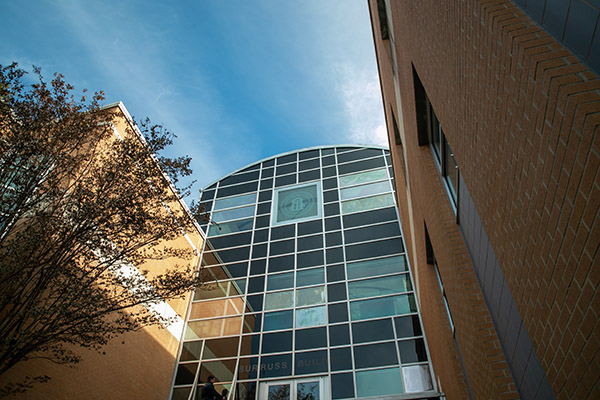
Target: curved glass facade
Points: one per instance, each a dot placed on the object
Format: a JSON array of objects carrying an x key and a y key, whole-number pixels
[{"x": 310, "y": 293}]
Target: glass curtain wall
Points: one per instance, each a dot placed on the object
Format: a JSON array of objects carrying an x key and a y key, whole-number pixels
[{"x": 310, "y": 294}]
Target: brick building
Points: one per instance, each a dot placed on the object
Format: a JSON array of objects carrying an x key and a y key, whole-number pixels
[
  {"x": 493, "y": 113},
  {"x": 136, "y": 365}
]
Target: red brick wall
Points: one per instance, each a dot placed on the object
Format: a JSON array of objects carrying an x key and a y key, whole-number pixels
[{"x": 521, "y": 115}]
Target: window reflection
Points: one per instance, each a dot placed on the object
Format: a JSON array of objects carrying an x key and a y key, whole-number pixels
[
  {"x": 383, "y": 307},
  {"x": 213, "y": 328},
  {"x": 379, "y": 382},
  {"x": 310, "y": 296},
  {"x": 367, "y": 203},
  {"x": 381, "y": 266},
  {"x": 278, "y": 300},
  {"x": 363, "y": 177},
  {"x": 312, "y": 316},
  {"x": 379, "y": 286}
]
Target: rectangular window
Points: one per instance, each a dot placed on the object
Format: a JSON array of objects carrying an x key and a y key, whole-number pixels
[
  {"x": 298, "y": 203},
  {"x": 430, "y": 132}
]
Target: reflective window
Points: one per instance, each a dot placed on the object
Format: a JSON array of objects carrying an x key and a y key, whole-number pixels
[
  {"x": 222, "y": 370},
  {"x": 280, "y": 281},
  {"x": 379, "y": 286},
  {"x": 278, "y": 320},
  {"x": 372, "y": 232},
  {"x": 407, "y": 326},
  {"x": 339, "y": 335},
  {"x": 380, "y": 266},
  {"x": 272, "y": 366},
  {"x": 363, "y": 177},
  {"x": 375, "y": 355},
  {"x": 186, "y": 373},
  {"x": 379, "y": 382},
  {"x": 310, "y": 296},
  {"x": 191, "y": 351},
  {"x": 382, "y": 307},
  {"x": 311, "y": 362},
  {"x": 279, "y": 300},
  {"x": 342, "y": 386},
  {"x": 372, "y": 331},
  {"x": 277, "y": 342},
  {"x": 365, "y": 190},
  {"x": 341, "y": 359},
  {"x": 235, "y": 201},
  {"x": 412, "y": 350},
  {"x": 374, "y": 249},
  {"x": 213, "y": 328},
  {"x": 308, "y": 277},
  {"x": 312, "y": 316},
  {"x": 338, "y": 312},
  {"x": 230, "y": 227},
  {"x": 367, "y": 203},
  {"x": 234, "y": 213},
  {"x": 311, "y": 338},
  {"x": 220, "y": 348}
]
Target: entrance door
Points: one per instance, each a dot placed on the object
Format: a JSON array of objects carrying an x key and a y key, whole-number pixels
[{"x": 294, "y": 389}]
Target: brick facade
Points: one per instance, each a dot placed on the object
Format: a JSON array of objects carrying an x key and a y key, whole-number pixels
[{"x": 521, "y": 114}]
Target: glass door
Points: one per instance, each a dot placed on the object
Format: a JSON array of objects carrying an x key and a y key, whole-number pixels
[{"x": 294, "y": 389}]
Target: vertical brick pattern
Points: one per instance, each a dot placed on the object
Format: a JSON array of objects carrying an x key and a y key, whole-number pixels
[{"x": 522, "y": 115}]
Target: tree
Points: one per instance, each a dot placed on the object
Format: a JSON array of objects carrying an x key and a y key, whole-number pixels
[{"x": 78, "y": 204}]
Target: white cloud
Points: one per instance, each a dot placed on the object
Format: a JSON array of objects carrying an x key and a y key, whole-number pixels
[{"x": 361, "y": 94}]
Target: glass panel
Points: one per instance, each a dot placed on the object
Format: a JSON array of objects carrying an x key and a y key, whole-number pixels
[
  {"x": 279, "y": 392},
  {"x": 313, "y": 316},
  {"x": 342, "y": 386},
  {"x": 236, "y": 213},
  {"x": 278, "y": 320},
  {"x": 311, "y": 338},
  {"x": 365, "y": 190},
  {"x": 217, "y": 308},
  {"x": 250, "y": 345},
  {"x": 235, "y": 201},
  {"x": 381, "y": 266},
  {"x": 379, "y": 286},
  {"x": 310, "y": 296},
  {"x": 375, "y": 355},
  {"x": 297, "y": 203},
  {"x": 372, "y": 331},
  {"x": 191, "y": 351},
  {"x": 412, "y": 351},
  {"x": 363, "y": 177},
  {"x": 417, "y": 378},
  {"x": 277, "y": 342},
  {"x": 245, "y": 391},
  {"x": 310, "y": 277},
  {"x": 220, "y": 348},
  {"x": 248, "y": 369},
  {"x": 308, "y": 391},
  {"x": 280, "y": 281},
  {"x": 181, "y": 393},
  {"x": 450, "y": 170},
  {"x": 280, "y": 365},
  {"x": 338, "y": 312},
  {"x": 368, "y": 203},
  {"x": 213, "y": 328},
  {"x": 311, "y": 362},
  {"x": 278, "y": 300},
  {"x": 380, "y": 382},
  {"x": 230, "y": 227},
  {"x": 222, "y": 370},
  {"x": 186, "y": 373},
  {"x": 341, "y": 359},
  {"x": 339, "y": 334},
  {"x": 407, "y": 326},
  {"x": 383, "y": 307}
]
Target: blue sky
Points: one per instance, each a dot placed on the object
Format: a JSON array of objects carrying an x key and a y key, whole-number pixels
[{"x": 235, "y": 80}]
